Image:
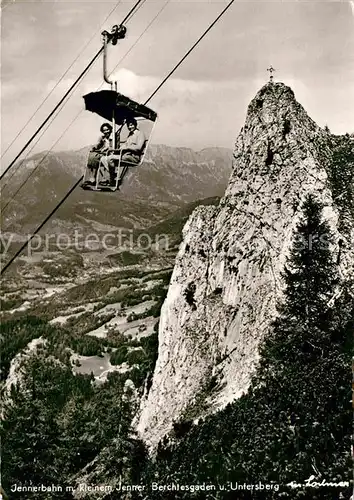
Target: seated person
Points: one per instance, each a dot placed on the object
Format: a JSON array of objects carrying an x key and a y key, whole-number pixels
[
  {"x": 131, "y": 150},
  {"x": 103, "y": 145}
]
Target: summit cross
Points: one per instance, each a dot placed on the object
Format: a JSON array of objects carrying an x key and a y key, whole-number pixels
[{"x": 271, "y": 71}]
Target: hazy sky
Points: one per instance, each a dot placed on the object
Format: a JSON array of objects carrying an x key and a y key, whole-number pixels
[{"x": 311, "y": 45}]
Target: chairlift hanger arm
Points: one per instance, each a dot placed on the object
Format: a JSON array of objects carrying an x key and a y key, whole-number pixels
[{"x": 117, "y": 33}]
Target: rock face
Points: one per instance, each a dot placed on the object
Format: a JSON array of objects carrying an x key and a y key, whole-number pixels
[{"x": 226, "y": 279}]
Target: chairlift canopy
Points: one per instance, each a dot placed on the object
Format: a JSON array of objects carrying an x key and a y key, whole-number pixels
[{"x": 109, "y": 103}]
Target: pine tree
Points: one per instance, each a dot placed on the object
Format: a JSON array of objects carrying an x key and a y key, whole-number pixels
[
  {"x": 304, "y": 362},
  {"x": 313, "y": 274},
  {"x": 305, "y": 319},
  {"x": 31, "y": 436}
]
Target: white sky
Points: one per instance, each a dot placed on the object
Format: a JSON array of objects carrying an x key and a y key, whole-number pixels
[{"x": 311, "y": 45}]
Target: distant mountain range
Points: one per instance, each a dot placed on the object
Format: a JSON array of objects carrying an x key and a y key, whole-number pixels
[{"x": 169, "y": 178}]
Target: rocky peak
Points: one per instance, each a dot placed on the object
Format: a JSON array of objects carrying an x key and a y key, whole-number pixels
[
  {"x": 277, "y": 133},
  {"x": 226, "y": 279}
]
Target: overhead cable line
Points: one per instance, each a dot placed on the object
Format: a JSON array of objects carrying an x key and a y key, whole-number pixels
[
  {"x": 58, "y": 82},
  {"x": 15, "y": 193},
  {"x": 139, "y": 38},
  {"x": 133, "y": 12},
  {"x": 79, "y": 113},
  {"x": 48, "y": 125},
  {"x": 190, "y": 50},
  {"x": 82, "y": 74},
  {"x": 20, "y": 163},
  {"x": 8, "y": 264}
]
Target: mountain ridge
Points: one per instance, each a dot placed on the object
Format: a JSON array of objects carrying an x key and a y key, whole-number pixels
[{"x": 157, "y": 187}]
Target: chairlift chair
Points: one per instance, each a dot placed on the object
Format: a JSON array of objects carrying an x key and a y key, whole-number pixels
[{"x": 117, "y": 108}]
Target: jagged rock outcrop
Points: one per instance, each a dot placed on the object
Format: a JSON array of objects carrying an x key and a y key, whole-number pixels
[
  {"x": 17, "y": 371},
  {"x": 226, "y": 279}
]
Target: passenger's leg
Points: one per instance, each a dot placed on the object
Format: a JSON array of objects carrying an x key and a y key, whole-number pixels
[
  {"x": 104, "y": 161},
  {"x": 113, "y": 160},
  {"x": 105, "y": 169},
  {"x": 93, "y": 174},
  {"x": 130, "y": 158},
  {"x": 92, "y": 166},
  {"x": 108, "y": 163}
]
